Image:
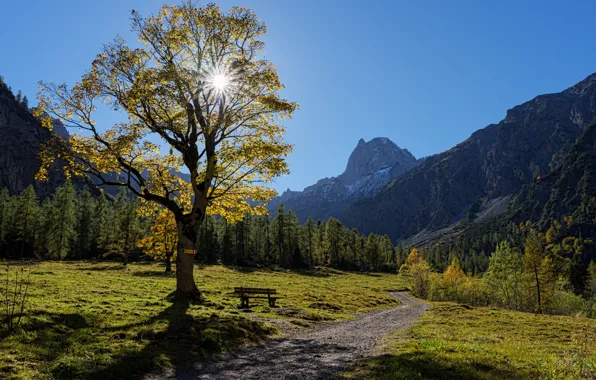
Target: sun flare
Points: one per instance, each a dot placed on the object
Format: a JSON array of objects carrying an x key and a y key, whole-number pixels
[{"x": 220, "y": 82}]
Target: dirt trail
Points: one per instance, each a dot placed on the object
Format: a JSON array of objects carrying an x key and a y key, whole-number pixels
[{"x": 314, "y": 354}]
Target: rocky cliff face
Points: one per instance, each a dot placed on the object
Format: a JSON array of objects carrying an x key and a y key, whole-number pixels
[
  {"x": 371, "y": 166},
  {"x": 570, "y": 189},
  {"x": 493, "y": 164},
  {"x": 20, "y": 137}
]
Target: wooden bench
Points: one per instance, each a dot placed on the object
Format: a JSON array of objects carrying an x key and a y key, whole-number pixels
[{"x": 246, "y": 293}]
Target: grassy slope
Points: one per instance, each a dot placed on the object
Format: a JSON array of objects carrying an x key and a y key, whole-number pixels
[
  {"x": 104, "y": 321},
  {"x": 460, "y": 342}
]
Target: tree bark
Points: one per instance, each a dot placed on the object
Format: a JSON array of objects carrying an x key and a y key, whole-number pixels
[
  {"x": 168, "y": 263},
  {"x": 538, "y": 290},
  {"x": 187, "y": 242}
]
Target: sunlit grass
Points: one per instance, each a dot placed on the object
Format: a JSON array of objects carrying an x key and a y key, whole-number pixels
[
  {"x": 103, "y": 320},
  {"x": 460, "y": 342}
]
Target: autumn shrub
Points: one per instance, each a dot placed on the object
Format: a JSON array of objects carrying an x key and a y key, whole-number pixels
[
  {"x": 454, "y": 285},
  {"x": 417, "y": 272}
]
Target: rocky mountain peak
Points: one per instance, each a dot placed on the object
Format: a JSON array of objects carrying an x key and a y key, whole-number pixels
[{"x": 376, "y": 154}]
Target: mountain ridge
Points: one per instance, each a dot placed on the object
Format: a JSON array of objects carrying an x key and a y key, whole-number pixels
[
  {"x": 371, "y": 166},
  {"x": 494, "y": 162}
]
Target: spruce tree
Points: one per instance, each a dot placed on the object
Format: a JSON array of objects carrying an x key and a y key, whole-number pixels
[
  {"x": 42, "y": 229},
  {"x": 332, "y": 242},
  {"x": 372, "y": 251},
  {"x": 6, "y": 218},
  {"x": 127, "y": 226},
  {"x": 27, "y": 212},
  {"x": 279, "y": 224},
  {"x": 308, "y": 239},
  {"x": 292, "y": 237},
  {"x": 63, "y": 221},
  {"x": 227, "y": 256},
  {"x": 101, "y": 226},
  {"x": 85, "y": 213}
]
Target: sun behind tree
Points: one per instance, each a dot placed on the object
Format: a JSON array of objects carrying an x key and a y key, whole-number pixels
[{"x": 198, "y": 86}]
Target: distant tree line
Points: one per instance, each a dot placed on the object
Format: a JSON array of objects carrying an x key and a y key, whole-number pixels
[
  {"x": 282, "y": 240},
  {"x": 79, "y": 225},
  {"x": 69, "y": 225}
]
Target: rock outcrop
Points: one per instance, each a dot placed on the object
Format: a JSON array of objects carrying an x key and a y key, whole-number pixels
[
  {"x": 21, "y": 135},
  {"x": 370, "y": 167}
]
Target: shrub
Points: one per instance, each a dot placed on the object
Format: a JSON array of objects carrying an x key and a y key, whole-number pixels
[
  {"x": 416, "y": 270},
  {"x": 565, "y": 303},
  {"x": 14, "y": 287}
]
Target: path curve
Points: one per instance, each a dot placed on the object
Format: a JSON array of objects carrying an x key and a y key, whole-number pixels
[{"x": 313, "y": 354}]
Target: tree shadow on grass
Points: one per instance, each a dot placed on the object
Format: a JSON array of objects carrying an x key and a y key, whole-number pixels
[
  {"x": 46, "y": 335},
  {"x": 371, "y": 274},
  {"x": 44, "y": 321},
  {"x": 427, "y": 366},
  {"x": 313, "y": 273},
  {"x": 154, "y": 273},
  {"x": 182, "y": 339},
  {"x": 103, "y": 268}
]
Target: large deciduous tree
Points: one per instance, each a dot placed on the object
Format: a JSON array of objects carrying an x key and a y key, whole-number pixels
[{"x": 198, "y": 98}]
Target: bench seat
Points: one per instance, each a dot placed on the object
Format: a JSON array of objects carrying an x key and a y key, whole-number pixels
[{"x": 246, "y": 293}]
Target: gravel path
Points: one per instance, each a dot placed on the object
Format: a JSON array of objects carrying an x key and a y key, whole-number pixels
[{"x": 314, "y": 354}]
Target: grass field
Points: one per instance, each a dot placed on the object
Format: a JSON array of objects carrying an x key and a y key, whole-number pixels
[
  {"x": 460, "y": 342},
  {"x": 102, "y": 320}
]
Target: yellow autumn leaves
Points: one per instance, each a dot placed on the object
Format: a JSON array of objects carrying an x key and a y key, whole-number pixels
[{"x": 229, "y": 146}]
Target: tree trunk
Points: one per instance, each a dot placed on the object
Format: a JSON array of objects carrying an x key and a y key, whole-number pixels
[
  {"x": 538, "y": 290},
  {"x": 168, "y": 263},
  {"x": 187, "y": 245}
]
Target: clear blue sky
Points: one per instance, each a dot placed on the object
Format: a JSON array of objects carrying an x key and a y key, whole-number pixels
[{"x": 424, "y": 73}]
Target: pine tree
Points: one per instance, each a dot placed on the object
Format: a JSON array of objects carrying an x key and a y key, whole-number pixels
[
  {"x": 387, "y": 256},
  {"x": 85, "y": 212},
  {"x": 227, "y": 256},
  {"x": 279, "y": 229},
  {"x": 19, "y": 97},
  {"x": 127, "y": 231},
  {"x": 6, "y": 217},
  {"x": 308, "y": 240},
  {"x": 332, "y": 242},
  {"x": 240, "y": 251},
  {"x": 62, "y": 232},
  {"x": 42, "y": 229},
  {"x": 372, "y": 251},
  {"x": 292, "y": 230},
  {"x": 268, "y": 253},
  {"x": 101, "y": 226},
  {"x": 533, "y": 260},
  {"x": 208, "y": 248},
  {"x": 25, "y": 102},
  {"x": 27, "y": 211}
]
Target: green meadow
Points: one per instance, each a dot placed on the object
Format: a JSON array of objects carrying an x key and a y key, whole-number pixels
[{"x": 103, "y": 320}]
